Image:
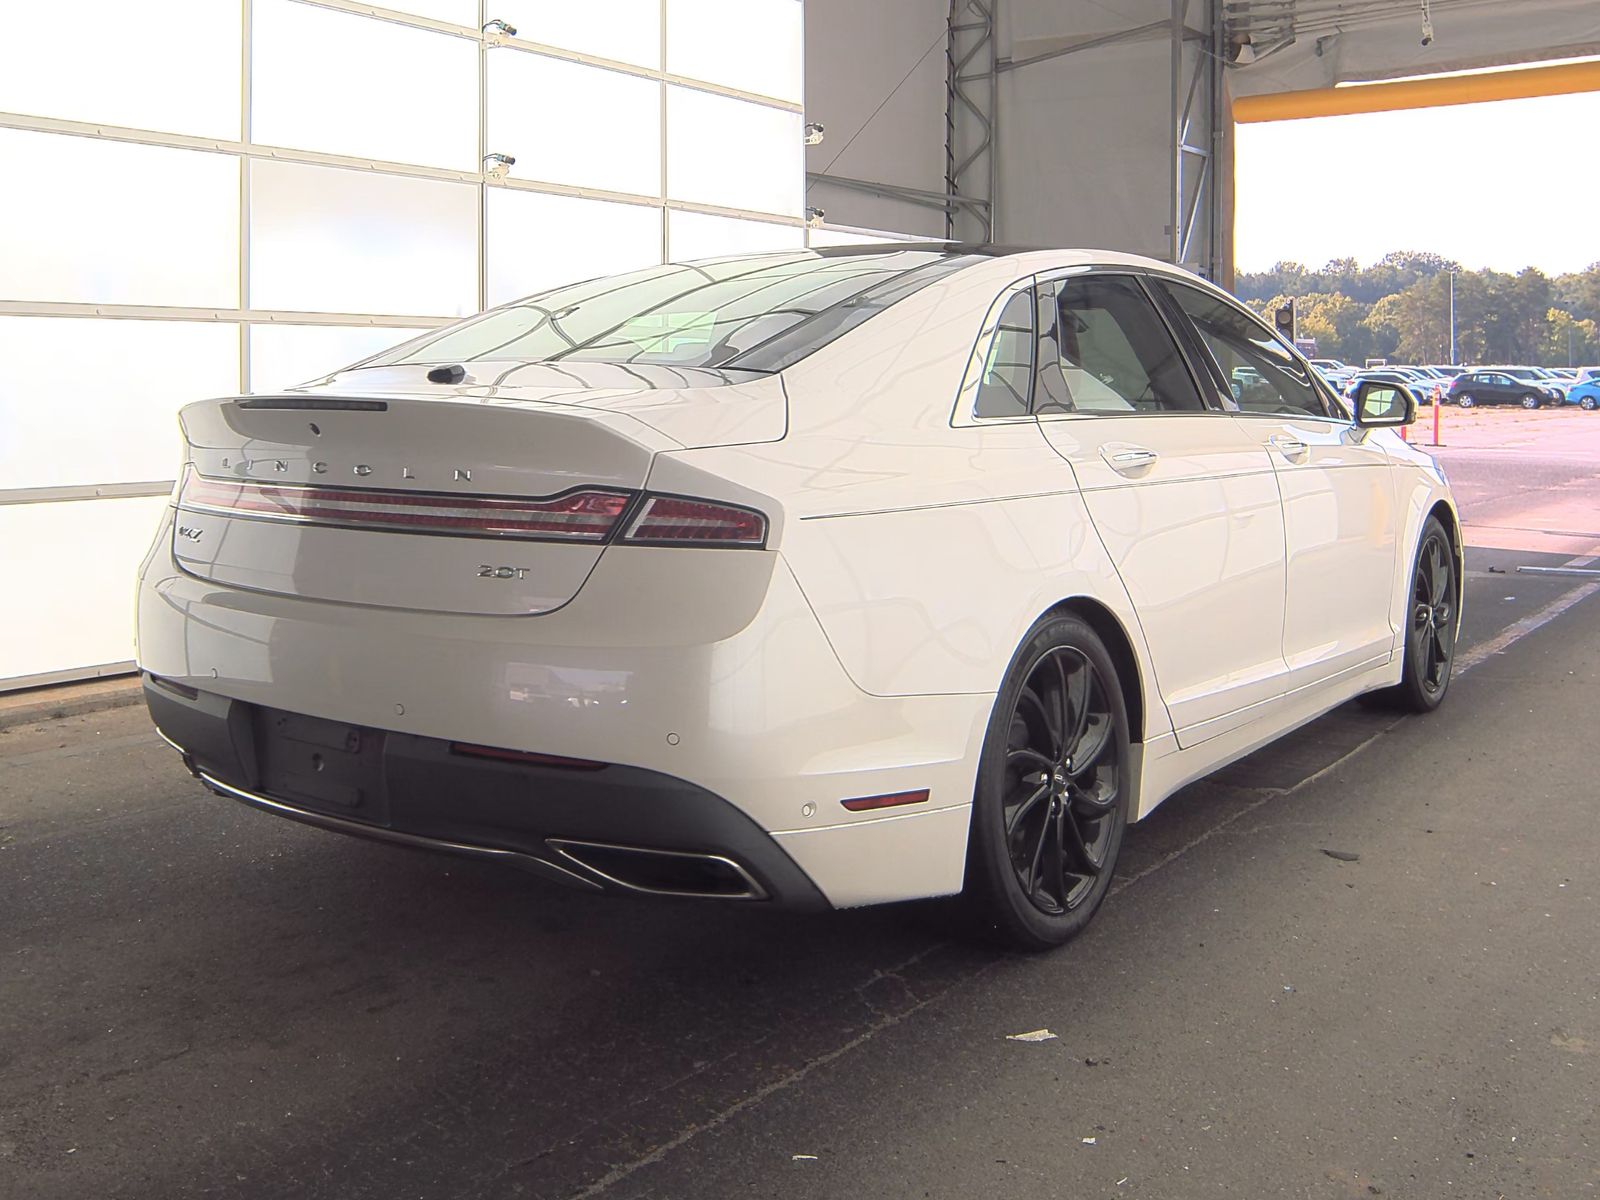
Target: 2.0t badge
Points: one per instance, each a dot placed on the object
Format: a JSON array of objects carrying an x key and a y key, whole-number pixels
[{"x": 488, "y": 572}]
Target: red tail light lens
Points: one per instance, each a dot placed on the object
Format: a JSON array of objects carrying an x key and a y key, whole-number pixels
[
  {"x": 679, "y": 521},
  {"x": 581, "y": 516}
]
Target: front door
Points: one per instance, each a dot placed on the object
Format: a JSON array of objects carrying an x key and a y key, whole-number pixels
[
  {"x": 1183, "y": 499},
  {"x": 1338, "y": 493}
]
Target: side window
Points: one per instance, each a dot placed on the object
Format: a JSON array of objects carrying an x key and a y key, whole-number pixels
[
  {"x": 1260, "y": 372},
  {"x": 1103, "y": 348},
  {"x": 1008, "y": 367}
]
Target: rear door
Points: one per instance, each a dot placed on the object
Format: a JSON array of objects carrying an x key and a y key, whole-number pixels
[
  {"x": 1339, "y": 504},
  {"x": 1185, "y": 503}
]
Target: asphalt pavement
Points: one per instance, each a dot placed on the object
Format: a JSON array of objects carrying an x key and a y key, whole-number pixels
[{"x": 198, "y": 1000}]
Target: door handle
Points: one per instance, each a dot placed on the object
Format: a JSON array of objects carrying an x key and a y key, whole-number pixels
[
  {"x": 1127, "y": 460},
  {"x": 1291, "y": 448}
]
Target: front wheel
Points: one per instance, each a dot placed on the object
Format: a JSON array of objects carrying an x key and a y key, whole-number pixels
[
  {"x": 1432, "y": 617},
  {"x": 1051, "y": 801},
  {"x": 1530, "y": 402}
]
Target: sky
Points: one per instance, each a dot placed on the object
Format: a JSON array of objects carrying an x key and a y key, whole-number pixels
[{"x": 1505, "y": 185}]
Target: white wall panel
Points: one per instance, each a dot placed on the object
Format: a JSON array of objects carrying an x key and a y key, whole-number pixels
[
  {"x": 457, "y": 12},
  {"x": 696, "y": 235},
  {"x": 324, "y": 239},
  {"x": 171, "y": 66},
  {"x": 171, "y": 237},
  {"x": 282, "y": 356},
  {"x": 538, "y": 242},
  {"x": 753, "y": 45},
  {"x": 568, "y": 123},
  {"x": 79, "y": 559},
  {"x": 332, "y": 81},
  {"x": 109, "y": 389},
  {"x": 850, "y": 237},
  {"x": 626, "y": 30},
  {"x": 734, "y": 154},
  {"x": 127, "y": 224}
]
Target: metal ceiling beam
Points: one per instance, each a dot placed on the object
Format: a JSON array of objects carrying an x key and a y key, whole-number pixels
[
  {"x": 895, "y": 191},
  {"x": 1442, "y": 90}
]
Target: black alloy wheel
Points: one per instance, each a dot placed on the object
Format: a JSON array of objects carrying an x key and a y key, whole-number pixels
[
  {"x": 1051, "y": 802},
  {"x": 1432, "y": 621}
]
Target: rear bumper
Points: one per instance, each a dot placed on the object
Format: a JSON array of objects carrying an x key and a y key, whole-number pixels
[
  {"x": 699, "y": 672},
  {"x": 619, "y": 829}
]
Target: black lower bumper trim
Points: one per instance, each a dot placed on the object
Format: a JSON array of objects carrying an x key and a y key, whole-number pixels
[{"x": 413, "y": 791}]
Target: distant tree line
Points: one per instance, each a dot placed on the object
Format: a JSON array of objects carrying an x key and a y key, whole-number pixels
[{"x": 1399, "y": 309}]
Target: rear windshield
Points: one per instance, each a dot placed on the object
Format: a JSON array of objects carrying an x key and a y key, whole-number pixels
[{"x": 758, "y": 313}]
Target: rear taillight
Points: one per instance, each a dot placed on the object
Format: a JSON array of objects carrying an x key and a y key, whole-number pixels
[
  {"x": 579, "y": 516},
  {"x": 679, "y": 521},
  {"x": 584, "y": 515}
]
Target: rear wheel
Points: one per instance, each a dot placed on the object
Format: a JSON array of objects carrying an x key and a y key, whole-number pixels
[
  {"x": 1530, "y": 401},
  {"x": 1587, "y": 403},
  {"x": 1434, "y": 608},
  {"x": 1466, "y": 400},
  {"x": 1051, "y": 801}
]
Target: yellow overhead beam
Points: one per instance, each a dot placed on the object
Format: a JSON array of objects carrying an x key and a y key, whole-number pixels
[{"x": 1562, "y": 80}]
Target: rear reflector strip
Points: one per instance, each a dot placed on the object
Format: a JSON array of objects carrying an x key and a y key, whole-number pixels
[
  {"x": 468, "y": 750},
  {"x": 892, "y": 800},
  {"x": 581, "y": 516}
]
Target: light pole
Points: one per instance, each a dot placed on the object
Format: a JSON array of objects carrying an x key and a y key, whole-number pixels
[{"x": 1452, "y": 318}]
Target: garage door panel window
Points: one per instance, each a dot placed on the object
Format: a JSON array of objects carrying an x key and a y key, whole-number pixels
[
  {"x": 345, "y": 84},
  {"x": 734, "y": 154},
  {"x": 1258, "y": 370},
  {"x": 1103, "y": 348},
  {"x": 624, "y": 30}
]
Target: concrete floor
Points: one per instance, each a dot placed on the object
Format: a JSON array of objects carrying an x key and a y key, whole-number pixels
[{"x": 200, "y": 1000}]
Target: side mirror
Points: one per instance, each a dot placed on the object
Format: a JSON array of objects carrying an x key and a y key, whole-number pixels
[{"x": 1381, "y": 405}]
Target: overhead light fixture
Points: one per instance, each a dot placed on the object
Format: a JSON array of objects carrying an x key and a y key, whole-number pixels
[
  {"x": 497, "y": 32},
  {"x": 815, "y": 217},
  {"x": 814, "y": 133},
  {"x": 1427, "y": 25},
  {"x": 498, "y": 166},
  {"x": 1244, "y": 54}
]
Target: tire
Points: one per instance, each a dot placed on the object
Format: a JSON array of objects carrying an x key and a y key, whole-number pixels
[
  {"x": 1433, "y": 610},
  {"x": 1466, "y": 400},
  {"x": 1046, "y": 830},
  {"x": 1587, "y": 404},
  {"x": 1529, "y": 402}
]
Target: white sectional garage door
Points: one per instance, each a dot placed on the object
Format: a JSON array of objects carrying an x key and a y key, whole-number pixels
[{"x": 211, "y": 196}]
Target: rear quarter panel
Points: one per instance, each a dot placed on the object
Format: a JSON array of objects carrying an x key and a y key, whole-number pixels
[{"x": 926, "y": 549}]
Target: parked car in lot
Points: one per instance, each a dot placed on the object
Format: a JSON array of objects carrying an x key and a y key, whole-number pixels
[
  {"x": 1336, "y": 373},
  {"x": 820, "y": 578},
  {"x": 1586, "y": 395},
  {"x": 1496, "y": 387},
  {"x": 1540, "y": 377}
]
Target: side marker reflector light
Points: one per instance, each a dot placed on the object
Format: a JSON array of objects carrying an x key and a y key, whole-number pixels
[{"x": 892, "y": 800}]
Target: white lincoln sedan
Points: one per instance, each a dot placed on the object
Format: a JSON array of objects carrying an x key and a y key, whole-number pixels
[{"x": 816, "y": 578}]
